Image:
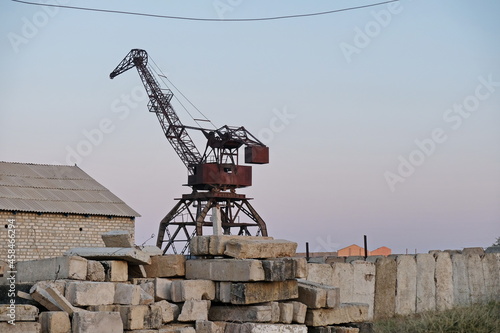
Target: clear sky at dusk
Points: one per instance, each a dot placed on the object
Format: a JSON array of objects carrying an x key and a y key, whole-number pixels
[{"x": 382, "y": 121}]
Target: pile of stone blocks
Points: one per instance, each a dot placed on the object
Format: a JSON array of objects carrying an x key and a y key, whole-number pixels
[{"x": 230, "y": 284}]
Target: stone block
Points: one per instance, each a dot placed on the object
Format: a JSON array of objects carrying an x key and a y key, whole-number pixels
[
  {"x": 344, "y": 313},
  {"x": 169, "y": 265},
  {"x": 426, "y": 287},
  {"x": 225, "y": 270},
  {"x": 117, "y": 238},
  {"x": 74, "y": 268},
  {"x": 127, "y": 294},
  {"x": 320, "y": 273},
  {"x": 55, "y": 322},
  {"x": 133, "y": 317},
  {"x": 154, "y": 318},
  {"x": 115, "y": 270},
  {"x": 265, "y": 328},
  {"x": 316, "y": 295},
  {"x": 282, "y": 269},
  {"x": 256, "y": 292},
  {"x": 250, "y": 313},
  {"x": 491, "y": 269},
  {"x": 286, "y": 313},
  {"x": 194, "y": 310},
  {"x": 19, "y": 312},
  {"x": 183, "y": 290},
  {"x": 479, "y": 251},
  {"x": 87, "y": 293},
  {"x": 406, "y": 286},
  {"x": 167, "y": 311},
  {"x": 41, "y": 295},
  {"x": 177, "y": 328},
  {"x": 95, "y": 271},
  {"x": 162, "y": 289},
  {"x": 205, "y": 326},
  {"x": 475, "y": 273},
  {"x": 363, "y": 290},
  {"x": 152, "y": 250},
  {"x": 131, "y": 255},
  {"x": 21, "y": 327},
  {"x": 97, "y": 322},
  {"x": 215, "y": 245},
  {"x": 299, "y": 312},
  {"x": 145, "y": 298},
  {"x": 444, "y": 279},
  {"x": 261, "y": 248},
  {"x": 342, "y": 277},
  {"x": 61, "y": 301},
  {"x": 385, "y": 287},
  {"x": 461, "y": 293}
]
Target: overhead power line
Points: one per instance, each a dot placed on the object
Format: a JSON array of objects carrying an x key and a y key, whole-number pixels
[{"x": 204, "y": 19}]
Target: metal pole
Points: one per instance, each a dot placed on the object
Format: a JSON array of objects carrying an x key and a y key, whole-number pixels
[
  {"x": 366, "y": 247},
  {"x": 307, "y": 251}
]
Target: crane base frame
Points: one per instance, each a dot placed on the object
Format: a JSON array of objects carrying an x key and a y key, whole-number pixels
[{"x": 195, "y": 207}]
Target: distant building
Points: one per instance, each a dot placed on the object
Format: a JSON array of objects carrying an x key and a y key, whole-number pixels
[
  {"x": 355, "y": 250},
  {"x": 53, "y": 208}
]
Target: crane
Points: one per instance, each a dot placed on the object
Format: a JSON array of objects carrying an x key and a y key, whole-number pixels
[{"x": 213, "y": 176}]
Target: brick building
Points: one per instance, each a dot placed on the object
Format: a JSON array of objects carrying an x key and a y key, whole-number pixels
[{"x": 53, "y": 208}]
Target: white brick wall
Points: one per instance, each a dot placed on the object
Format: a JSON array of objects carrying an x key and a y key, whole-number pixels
[{"x": 50, "y": 235}]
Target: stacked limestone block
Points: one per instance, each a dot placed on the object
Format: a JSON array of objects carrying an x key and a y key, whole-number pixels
[{"x": 230, "y": 284}]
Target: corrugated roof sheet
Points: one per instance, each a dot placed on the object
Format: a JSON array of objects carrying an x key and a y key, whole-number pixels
[{"x": 56, "y": 189}]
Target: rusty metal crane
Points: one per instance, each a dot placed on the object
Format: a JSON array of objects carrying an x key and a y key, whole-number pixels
[{"x": 213, "y": 176}]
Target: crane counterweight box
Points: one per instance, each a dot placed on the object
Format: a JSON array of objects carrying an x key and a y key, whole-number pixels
[{"x": 256, "y": 154}]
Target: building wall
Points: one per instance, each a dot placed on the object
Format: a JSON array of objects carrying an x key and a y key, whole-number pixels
[{"x": 50, "y": 235}]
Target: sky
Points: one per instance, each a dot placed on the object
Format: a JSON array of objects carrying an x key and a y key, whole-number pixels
[{"x": 381, "y": 121}]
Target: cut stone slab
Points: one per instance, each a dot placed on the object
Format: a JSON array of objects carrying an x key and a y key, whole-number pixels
[
  {"x": 167, "y": 311},
  {"x": 225, "y": 270},
  {"x": 133, "y": 316},
  {"x": 406, "y": 286},
  {"x": 62, "y": 302},
  {"x": 154, "y": 318},
  {"x": 286, "y": 313},
  {"x": 205, "y": 326},
  {"x": 256, "y": 292},
  {"x": 183, "y": 290},
  {"x": 176, "y": 328},
  {"x": 266, "y": 328},
  {"x": 477, "y": 288},
  {"x": 251, "y": 313},
  {"x": 321, "y": 273},
  {"x": 344, "y": 313},
  {"x": 445, "y": 279},
  {"x": 363, "y": 285},
  {"x": 426, "y": 286},
  {"x": 152, "y": 250},
  {"x": 41, "y": 295},
  {"x": 19, "y": 312},
  {"x": 170, "y": 265},
  {"x": 66, "y": 267},
  {"x": 385, "y": 288},
  {"x": 261, "y": 248},
  {"x": 299, "y": 312},
  {"x": 131, "y": 255},
  {"x": 115, "y": 270},
  {"x": 316, "y": 295},
  {"x": 87, "y": 293},
  {"x": 282, "y": 269},
  {"x": 97, "y": 322},
  {"x": 127, "y": 294},
  {"x": 145, "y": 298},
  {"x": 95, "y": 271},
  {"x": 194, "y": 310},
  {"x": 117, "y": 238},
  {"x": 215, "y": 245},
  {"x": 55, "y": 322},
  {"x": 21, "y": 327}
]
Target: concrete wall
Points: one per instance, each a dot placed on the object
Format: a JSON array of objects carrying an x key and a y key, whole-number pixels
[
  {"x": 50, "y": 235},
  {"x": 407, "y": 284}
]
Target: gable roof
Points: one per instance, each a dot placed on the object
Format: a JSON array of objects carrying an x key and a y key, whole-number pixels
[{"x": 56, "y": 189}]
